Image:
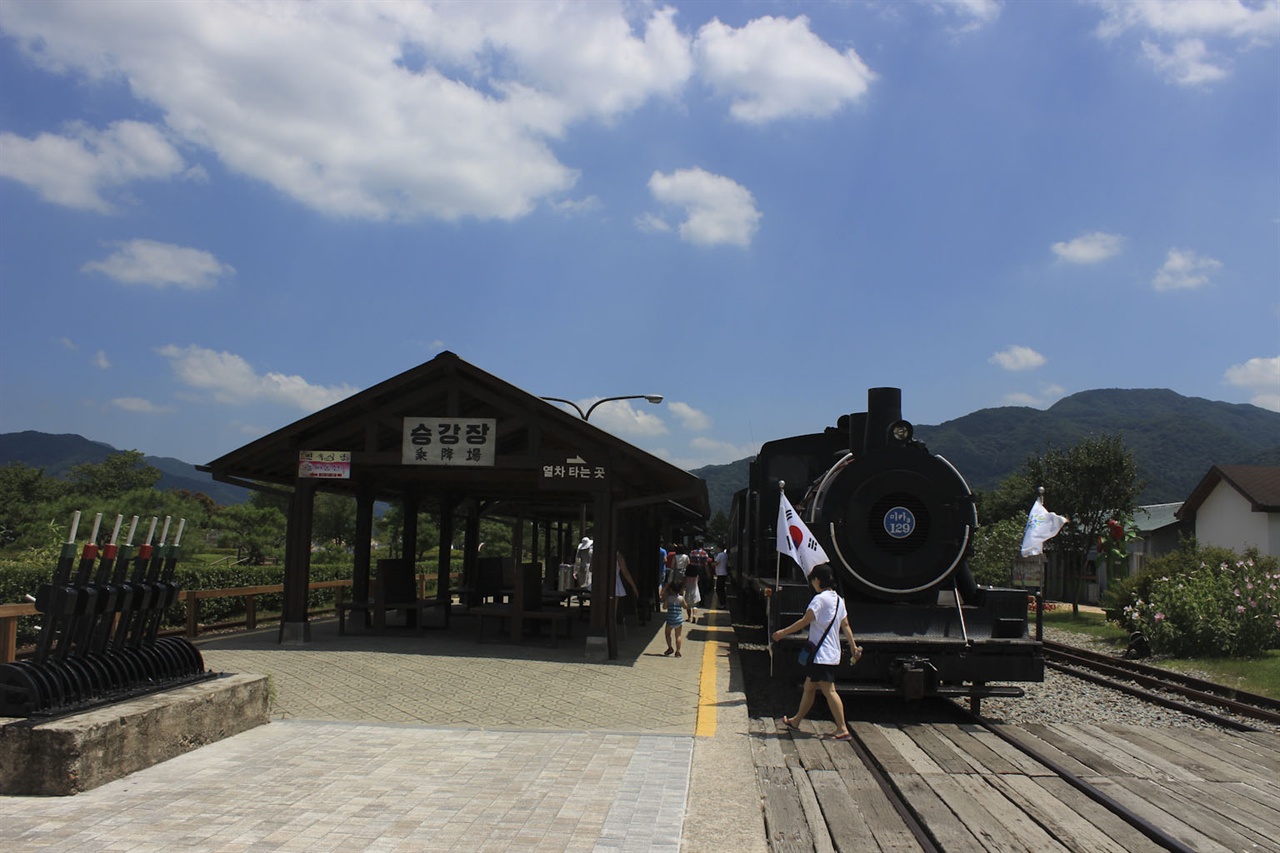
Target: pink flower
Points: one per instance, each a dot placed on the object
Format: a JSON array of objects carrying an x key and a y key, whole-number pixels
[
  {"x": 1239, "y": 608},
  {"x": 1159, "y": 617}
]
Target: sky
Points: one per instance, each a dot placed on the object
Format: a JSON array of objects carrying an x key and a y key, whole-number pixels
[{"x": 219, "y": 217}]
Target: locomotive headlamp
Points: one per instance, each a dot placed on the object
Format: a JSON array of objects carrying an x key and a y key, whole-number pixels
[{"x": 901, "y": 431}]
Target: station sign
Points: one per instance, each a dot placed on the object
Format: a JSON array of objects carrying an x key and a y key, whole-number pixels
[
  {"x": 324, "y": 464},
  {"x": 571, "y": 471},
  {"x": 463, "y": 442}
]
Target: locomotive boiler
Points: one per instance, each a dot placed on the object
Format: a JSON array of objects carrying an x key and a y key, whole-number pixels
[{"x": 897, "y": 524}]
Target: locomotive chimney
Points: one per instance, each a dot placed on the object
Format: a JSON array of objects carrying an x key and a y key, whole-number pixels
[{"x": 884, "y": 409}]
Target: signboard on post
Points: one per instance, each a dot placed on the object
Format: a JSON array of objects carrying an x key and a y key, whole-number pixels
[
  {"x": 449, "y": 441},
  {"x": 324, "y": 464}
]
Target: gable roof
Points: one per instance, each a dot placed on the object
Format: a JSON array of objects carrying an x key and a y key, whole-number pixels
[
  {"x": 530, "y": 431},
  {"x": 1257, "y": 484}
]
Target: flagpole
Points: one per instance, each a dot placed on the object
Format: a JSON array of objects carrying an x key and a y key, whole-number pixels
[{"x": 777, "y": 579}]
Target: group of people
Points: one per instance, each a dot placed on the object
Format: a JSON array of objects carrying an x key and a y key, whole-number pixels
[{"x": 686, "y": 578}]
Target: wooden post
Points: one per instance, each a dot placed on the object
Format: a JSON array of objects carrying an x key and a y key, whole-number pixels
[{"x": 294, "y": 625}]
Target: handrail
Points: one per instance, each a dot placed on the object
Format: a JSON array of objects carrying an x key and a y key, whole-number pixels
[{"x": 10, "y": 613}]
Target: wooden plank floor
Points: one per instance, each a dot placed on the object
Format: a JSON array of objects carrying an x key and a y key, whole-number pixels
[{"x": 972, "y": 791}]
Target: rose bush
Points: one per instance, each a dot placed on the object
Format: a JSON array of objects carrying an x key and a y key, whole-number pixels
[{"x": 1229, "y": 607}]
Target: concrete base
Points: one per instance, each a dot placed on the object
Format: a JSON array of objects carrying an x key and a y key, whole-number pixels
[
  {"x": 295, "y": 633},
  {"x": 79, "y": 752},
  {"x": 597, "y": 648}
]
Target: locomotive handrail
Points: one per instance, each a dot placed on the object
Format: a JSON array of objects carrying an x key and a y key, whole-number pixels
[{"x": 11, "y": 613}]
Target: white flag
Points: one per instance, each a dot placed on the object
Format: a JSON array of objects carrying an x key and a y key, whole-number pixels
[
  {"x": 795, "y": 540},
  {"x": 1042, "y": 526}
]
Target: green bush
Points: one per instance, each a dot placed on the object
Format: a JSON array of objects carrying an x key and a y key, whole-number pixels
[{"x": 1207, "y": 602}]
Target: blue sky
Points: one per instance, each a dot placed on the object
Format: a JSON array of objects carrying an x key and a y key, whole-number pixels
[{"x": 216, "y": 218}]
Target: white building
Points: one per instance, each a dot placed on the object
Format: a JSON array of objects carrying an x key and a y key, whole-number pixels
[{"x": 1237, "y": 507}]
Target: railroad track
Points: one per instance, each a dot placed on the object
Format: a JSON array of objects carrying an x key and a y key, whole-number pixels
[
  {"x": 951, "y": 781},
  {"x": 1138, "y": 679}
]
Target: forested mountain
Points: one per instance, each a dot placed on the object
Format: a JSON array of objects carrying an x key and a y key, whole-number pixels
[
  {"x": 57, "y": 454},
  {"x": 1175, "y": 439}
]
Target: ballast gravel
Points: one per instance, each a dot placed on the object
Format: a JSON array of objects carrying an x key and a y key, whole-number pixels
[{"x": 1062, "y": 698}]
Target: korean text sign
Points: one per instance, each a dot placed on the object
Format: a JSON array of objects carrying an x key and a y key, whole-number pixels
[{"x": 449, "y": 441}]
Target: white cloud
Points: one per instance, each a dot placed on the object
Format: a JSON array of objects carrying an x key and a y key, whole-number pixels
[
  {"x": 1184, "y": 270},
  {"x": 1175, "y": 32},
  {"x": 1089, "y": 248},
  {"x": 378, "y": 110},
  {"x": 68, "y": 343},
  {"x": 689, "y": 417},
  {"x": 100, "y": 360},
  {"x": 975, "y": 14},
  {"x": 776, "y": 68},
  {"x": 161, "y": 265},
  {"x": 704, "y": 451},
  {"x": 716, "y": 209},
  {"x": 651, "y": 223},
  {"x": 1048, "y": 395},
  {"x": 626, "y": 418},
  {"x": 141, "y": 406},
  {"x": 1017, "y": 358},
  {"x": 233, "y": 380},
  {"x": 1261, "y": 376},
  {"x": 76, "y": 169}
]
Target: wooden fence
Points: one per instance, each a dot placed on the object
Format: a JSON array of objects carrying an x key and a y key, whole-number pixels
[{"x": 10, "y": 613}]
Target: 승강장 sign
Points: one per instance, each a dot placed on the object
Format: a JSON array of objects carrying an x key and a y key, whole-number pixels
[
  {"x": 324, "y": 464},
  {"x": 448, "y": 441}
]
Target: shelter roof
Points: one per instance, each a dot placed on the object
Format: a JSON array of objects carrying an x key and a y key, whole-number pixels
[
  {"x": 529, "y": 434},
  {"x": 1153, "y": 517}
]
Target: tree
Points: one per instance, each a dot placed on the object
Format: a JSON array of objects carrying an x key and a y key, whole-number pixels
[
  {"x": 22, "y": 491},
  {"x": 718, "y": 529},
  {"x": 1092, "y": 483},
  {"x": 995, "y": 546},
  {"x": 255, "y": 532},
  {"x": 118, "y": 473}
]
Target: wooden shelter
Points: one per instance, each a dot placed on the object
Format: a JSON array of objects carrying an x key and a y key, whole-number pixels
[{"x": 449, "y": 438}]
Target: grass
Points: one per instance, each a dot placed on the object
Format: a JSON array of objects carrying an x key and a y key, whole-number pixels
[{"x": 1259, "y": 675}]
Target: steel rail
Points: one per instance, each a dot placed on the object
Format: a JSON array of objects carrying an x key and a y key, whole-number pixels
[
  {"x": 1067, "y": 659},
  {"x": 896, "y": 798},
  {"x": 1120, "y": 810}
]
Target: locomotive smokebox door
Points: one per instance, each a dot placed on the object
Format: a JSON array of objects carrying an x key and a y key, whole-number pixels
[{"x": 899, "y": 520}]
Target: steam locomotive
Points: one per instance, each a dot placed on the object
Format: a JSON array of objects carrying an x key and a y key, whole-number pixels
[{"x": 897, "y": 524}]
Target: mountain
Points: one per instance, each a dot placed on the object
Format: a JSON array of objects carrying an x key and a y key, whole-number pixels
[
  {"x": 57, "y": 454},
  {"x": 1174, "y": 439}
]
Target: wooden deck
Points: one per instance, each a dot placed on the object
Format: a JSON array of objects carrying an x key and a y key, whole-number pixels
[{"x": 1211, "y": 790}]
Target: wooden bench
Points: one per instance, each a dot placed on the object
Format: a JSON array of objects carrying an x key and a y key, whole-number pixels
[
  {"x": 504, "y": 613},
  {"x": 394, "y": 588}
]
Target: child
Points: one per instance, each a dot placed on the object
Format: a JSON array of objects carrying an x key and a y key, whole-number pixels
[{"x": 675, "y": 615}]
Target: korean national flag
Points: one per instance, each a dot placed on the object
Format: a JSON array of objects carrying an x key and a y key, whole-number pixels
[
  {"x": 795, "y": 540},
  {"x": 1042, "y": 526}
]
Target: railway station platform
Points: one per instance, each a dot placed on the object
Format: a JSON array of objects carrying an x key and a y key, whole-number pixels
[{"x": 435, "y": 742}]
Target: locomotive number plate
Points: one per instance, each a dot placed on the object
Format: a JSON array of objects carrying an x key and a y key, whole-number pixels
[{"x": 899, "y": 522}]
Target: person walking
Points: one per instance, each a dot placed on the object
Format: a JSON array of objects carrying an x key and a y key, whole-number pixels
[
  {"x": 700, "y": 565},
  {"x": 689, "y": 573},
  {"x": 722, "y": 578},
  {"x": 676, "y": 608},
  {"x": 825, "y": 610}
]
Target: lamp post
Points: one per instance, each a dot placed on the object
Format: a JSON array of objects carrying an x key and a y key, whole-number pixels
[
  {"x": 586, "y": 416},
  {"x": 605, "y": 596}
]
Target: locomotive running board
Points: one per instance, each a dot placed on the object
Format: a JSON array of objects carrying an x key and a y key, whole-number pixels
[{"x": 953, "y": 691}]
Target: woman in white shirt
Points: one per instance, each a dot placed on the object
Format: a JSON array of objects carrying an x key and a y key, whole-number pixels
[{"x": 826, "y": 609}]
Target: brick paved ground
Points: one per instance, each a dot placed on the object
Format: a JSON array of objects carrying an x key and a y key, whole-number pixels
[{"x": 435, "y": 742}]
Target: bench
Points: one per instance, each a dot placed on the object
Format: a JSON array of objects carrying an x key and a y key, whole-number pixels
[
  {"x": 394, "y": 588},
  {"x": 504, "y": 613}
]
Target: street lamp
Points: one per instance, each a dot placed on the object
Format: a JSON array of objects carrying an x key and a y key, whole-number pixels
[{"x": 586, "y": 416}]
